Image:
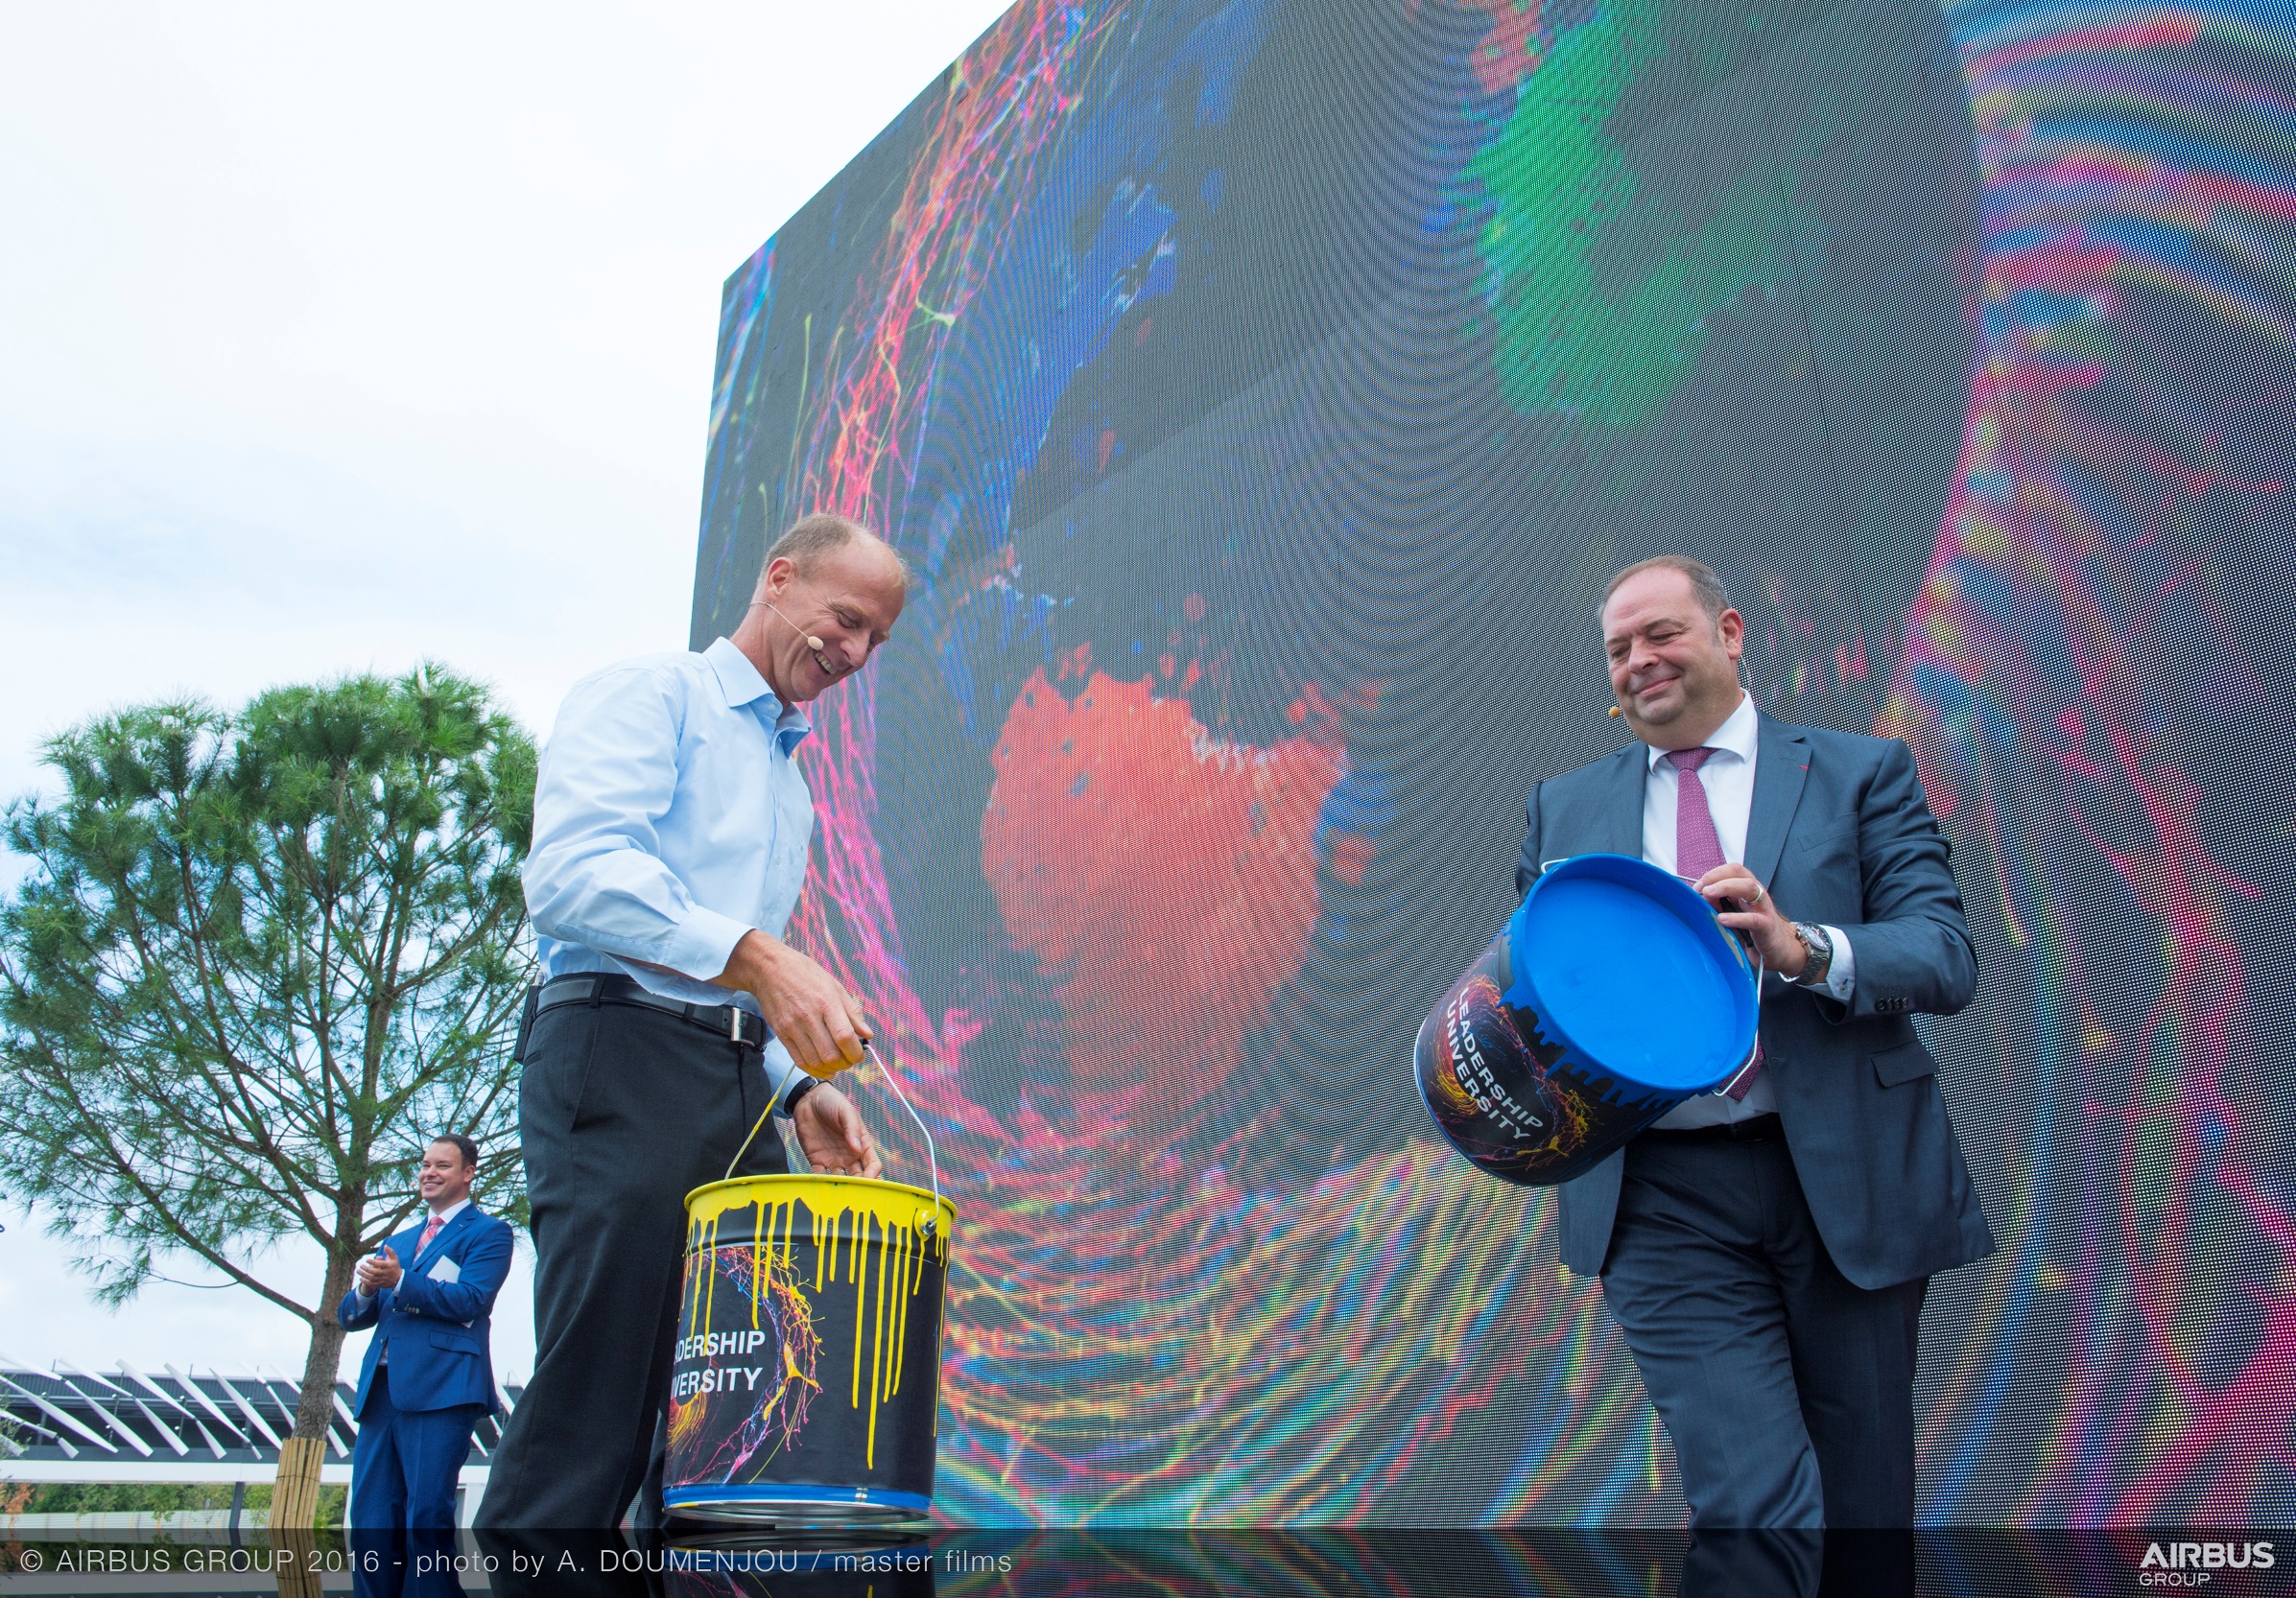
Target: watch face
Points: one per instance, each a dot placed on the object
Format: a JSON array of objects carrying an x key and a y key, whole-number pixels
[{"x": 1820, "y": 945}]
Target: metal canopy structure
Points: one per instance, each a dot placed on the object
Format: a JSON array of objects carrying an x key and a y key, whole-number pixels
[{"x": 72, "y": 1424}]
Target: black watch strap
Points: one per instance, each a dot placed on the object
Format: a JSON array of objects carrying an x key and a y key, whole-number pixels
[{"x": 807, "y": 1082}]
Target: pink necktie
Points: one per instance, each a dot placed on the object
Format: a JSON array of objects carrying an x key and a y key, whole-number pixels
[
  {"x": 1697, "y": 851},
  {"x": 423, "y": 1242}
]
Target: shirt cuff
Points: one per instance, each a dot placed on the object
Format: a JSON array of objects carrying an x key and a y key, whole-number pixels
[
  {"x": 364, "y": 1299},
  {"x": 782, "y": 1072},
  {"x": 703, "y": 944},
  {"x": 1841, "y": 976}
]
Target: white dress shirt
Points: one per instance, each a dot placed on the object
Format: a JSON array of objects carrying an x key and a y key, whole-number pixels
[
  {"x": 444, "y": 1215},
  {"x": 1728, "y": 778},
  {"x": 670, "y": 820}
]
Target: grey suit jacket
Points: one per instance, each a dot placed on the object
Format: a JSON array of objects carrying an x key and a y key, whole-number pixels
[{"x": 1841, "y": 834}]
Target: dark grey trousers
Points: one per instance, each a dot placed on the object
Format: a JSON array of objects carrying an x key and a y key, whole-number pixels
[
  {"x": 622, "y": 1110},
  {"x": 1787, "y": 1389}
]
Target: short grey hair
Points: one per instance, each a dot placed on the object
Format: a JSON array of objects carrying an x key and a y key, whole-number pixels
[
  {"x": 1712, "y": 598},
  {"x": 808, "y": 540}
]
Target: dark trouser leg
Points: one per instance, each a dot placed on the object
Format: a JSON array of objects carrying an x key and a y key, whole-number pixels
[
  {"x": 1854, "y": 1354},
  {"x": 1690, "y": 1281},
  {"x": 435, "y": 1444},
  {"x": 1755, "y": 1565},
  {"x": 378, "y": 1474},
  {"x": 1735, "y": 1312},
  {"x": 378, "y": 1534},
  {"x": 648, "y": 1513},
  {"x": 623, "y": 1111}
]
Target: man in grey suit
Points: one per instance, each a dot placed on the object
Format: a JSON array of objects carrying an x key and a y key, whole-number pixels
[{"x": 1767, "y": 1249}]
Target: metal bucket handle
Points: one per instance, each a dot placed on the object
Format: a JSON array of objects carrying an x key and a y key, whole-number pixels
[{"x": 885, "y": 1068}]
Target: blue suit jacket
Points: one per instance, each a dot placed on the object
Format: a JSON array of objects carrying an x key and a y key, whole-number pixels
[
  {"x": 1841, "y": 834},
  {"x": 437, "y": 1331}
]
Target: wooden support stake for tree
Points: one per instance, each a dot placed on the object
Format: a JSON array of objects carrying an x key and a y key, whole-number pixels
[
  {"x": 295, "y": 1498},
  {"x": 298, "y": 1561}
]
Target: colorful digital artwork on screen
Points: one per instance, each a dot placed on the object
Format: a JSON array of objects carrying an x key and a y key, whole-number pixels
[{"x": 1262, "y": 392}]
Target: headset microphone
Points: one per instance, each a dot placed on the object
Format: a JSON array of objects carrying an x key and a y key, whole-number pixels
[
  {"x": 811, "y": 642},
  {"x": 1613, "y": 710}
]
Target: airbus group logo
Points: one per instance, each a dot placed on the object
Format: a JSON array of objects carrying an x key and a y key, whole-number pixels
[{"x": 2191, "y": 1564}]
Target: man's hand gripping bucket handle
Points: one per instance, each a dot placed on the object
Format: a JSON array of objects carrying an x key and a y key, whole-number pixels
[{"x": 885, "y": 1070}]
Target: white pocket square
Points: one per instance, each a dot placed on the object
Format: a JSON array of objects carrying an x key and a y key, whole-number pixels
[{"x": 443, "y": 1269}]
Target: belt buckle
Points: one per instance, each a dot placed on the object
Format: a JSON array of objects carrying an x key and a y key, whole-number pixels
[{"x": 733, "y": 1023}]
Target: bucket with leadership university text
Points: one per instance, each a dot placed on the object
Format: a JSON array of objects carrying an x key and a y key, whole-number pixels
[
  {"x": 806, "y": 1390},
  {"x": 1611, "y": 995}
]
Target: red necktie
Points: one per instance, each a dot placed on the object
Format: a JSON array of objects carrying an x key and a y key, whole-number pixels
[{"x": 1697, "y": 851}]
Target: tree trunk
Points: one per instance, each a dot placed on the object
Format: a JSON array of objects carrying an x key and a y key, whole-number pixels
[{"x": 294, "y": 1497}]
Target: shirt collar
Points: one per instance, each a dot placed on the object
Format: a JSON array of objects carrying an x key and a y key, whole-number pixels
[
  {"x": 744, "y": 685},
  {"x": 451, "y": 1210},
  {"x": 1737, "y": 735}
]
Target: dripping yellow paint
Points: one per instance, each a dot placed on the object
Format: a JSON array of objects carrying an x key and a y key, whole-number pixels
[{"x": 850, "y": 1222}]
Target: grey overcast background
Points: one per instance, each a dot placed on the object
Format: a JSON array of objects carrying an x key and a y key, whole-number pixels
[{"x": 332, "y": 339}]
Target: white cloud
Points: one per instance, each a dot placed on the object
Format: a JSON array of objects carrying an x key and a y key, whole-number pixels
[{"x": 335, "y": 338}]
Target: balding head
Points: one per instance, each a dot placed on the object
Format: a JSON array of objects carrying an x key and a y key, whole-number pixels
[
  {"x": 808, "y": 542},
  {"x": 830, "y": 593}
]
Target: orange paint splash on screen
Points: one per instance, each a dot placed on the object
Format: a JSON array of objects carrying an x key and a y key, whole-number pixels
[{"x": 1163, "y": 880}]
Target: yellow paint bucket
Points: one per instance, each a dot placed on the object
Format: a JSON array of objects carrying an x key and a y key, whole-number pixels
[{"x": 806, "y": 1388}]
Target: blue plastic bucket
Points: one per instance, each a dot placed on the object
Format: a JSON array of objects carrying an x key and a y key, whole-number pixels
[{"x": 1611, "y": 995}]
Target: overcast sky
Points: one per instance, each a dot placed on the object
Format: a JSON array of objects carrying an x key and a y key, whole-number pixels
[{"x": 335, "y": 338}]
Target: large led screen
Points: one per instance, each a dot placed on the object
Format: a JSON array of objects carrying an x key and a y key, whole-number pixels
[{"x": 1262, "y": 392}]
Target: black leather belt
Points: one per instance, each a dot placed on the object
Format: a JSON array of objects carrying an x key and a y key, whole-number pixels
[
  {"x": 1754, "y": 1129},
  {"x": 727, "y": 1020}
]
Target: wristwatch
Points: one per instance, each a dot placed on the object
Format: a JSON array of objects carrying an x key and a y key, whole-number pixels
[
  {"x": 807, "y": 1082},
  {"x": 1818, "y": 943}
]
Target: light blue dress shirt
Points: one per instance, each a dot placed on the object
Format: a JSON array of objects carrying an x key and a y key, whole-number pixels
[{"x": 670, "y": 819}]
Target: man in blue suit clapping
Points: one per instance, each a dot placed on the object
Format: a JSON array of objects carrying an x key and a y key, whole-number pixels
[{"x": 428, "y": 1376}]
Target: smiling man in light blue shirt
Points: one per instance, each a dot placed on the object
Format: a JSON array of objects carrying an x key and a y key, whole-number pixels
[
  {"x": 670, "y": 788},
  {"x": 671, "y": 826}
]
